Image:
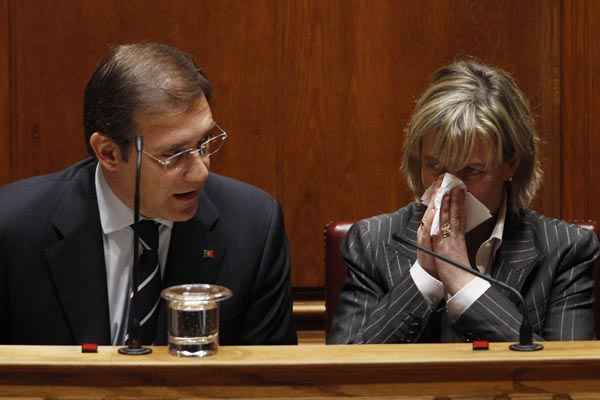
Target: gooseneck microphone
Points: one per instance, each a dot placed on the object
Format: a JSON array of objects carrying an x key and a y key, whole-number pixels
[
  {"x": 134, "y": 343},
  {"x": 526, "y": 342}
]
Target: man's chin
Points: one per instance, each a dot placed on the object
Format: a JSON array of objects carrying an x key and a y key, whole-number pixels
[
  {"x": 178, "y": 214},
  {"x": 184, "y": 206},
  {"x": 184, "y": 215}
]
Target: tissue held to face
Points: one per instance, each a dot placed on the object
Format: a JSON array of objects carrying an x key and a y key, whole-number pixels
[{"x": 483, "y": 178}]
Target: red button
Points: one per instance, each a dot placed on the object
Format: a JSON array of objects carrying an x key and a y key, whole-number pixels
[
  {"x": 481, "y": 345},
  {"x": 89, "y": 348}
]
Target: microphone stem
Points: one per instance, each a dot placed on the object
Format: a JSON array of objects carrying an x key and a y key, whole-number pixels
[
  {"x": 134, "y": 344},
  {"x": 134, "y": 331},
  {"x": 139, "y": 145}
]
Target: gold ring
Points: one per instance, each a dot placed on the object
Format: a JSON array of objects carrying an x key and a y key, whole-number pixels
[{"x": 446, "y": 230}]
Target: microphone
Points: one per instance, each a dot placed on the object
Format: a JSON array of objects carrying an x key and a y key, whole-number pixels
[
  {"x": 526, "y": 342},
  {"x": 134, "y": 344}
]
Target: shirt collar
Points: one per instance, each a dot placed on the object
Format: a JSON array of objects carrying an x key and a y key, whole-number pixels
[
  {"x": 486, "y": 253},
  {"x": 114, "y": 214},
  {"x": 498, "y": 230}
]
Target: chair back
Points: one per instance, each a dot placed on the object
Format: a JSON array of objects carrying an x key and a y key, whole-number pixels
[{"x": 335, "y": 269}]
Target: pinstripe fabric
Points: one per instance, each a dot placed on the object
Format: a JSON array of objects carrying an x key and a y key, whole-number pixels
[{"x": 547, "y": 260}]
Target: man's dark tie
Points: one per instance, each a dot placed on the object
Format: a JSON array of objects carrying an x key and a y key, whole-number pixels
[{"x": 148, "y": 281}]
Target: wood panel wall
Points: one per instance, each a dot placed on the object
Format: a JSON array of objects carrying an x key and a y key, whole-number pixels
[
  {"x": 315, "y": 94},
  {"x": 580, "y": 103}
]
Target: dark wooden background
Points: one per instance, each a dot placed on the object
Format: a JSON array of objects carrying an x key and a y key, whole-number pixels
[{"x": 315, "y": 93}]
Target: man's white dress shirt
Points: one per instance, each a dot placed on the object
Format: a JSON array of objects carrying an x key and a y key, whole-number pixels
[{"x": 116, "y": 219}]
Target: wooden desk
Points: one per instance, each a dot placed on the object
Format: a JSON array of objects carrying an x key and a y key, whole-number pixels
[{"x": 312, "y": 371}]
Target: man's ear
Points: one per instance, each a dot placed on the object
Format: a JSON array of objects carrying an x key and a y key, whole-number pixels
[{"x": 107, "y": 152}]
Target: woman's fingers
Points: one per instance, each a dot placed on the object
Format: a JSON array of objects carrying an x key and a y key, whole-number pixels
[
  {"x": 457, "y": 211},
  {"x": 424, "y": 240}
]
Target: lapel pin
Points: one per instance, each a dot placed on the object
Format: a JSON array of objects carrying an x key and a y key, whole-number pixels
[{"x": 208, "y": 253}]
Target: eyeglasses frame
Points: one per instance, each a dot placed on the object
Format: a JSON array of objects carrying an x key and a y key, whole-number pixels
[{"x": 165, "y": 163}]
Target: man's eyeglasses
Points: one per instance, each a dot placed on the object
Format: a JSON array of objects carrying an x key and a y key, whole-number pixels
[{"x": 212, "y": 143}]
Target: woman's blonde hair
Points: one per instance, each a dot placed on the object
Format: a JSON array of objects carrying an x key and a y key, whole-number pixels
[{"x": 466, "y": 101}]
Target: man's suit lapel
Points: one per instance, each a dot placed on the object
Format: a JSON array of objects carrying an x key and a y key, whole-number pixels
[
  {"x": 76, "y": 261},
  {"x": 196, "y": 248}
]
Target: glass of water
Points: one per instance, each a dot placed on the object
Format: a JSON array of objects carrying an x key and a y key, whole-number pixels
[{"x": 193, "y": 318}]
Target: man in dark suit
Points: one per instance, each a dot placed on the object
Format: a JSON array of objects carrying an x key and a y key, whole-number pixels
[
  {"x": 66, "y": 238},
  {"x": 472, "y": 123}
]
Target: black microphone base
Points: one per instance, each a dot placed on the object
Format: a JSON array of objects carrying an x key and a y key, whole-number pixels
[
  {"x": 135, "y": 351},
  {"x": 526, "y": 347}
]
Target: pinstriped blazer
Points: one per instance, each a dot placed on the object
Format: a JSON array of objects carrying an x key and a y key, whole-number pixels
[{"x": 547, "y": 260}]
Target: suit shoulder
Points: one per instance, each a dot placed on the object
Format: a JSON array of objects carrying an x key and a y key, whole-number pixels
[
  {"x": 38, "y": 194},
  {"x": 229, "y": 189},
  {"x": 554, "y": 232},
  {"x": 380, "y": 227},
  {"x": 240, "y": 201}
]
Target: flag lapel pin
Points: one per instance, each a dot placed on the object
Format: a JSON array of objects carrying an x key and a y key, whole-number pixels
[{"x": 208, "y": 253}]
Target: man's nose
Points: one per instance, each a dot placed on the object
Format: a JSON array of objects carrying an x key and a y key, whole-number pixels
[{"x": 197, "y": 168}]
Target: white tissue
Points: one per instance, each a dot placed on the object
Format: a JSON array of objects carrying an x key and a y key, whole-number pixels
[{"x": 476, "y": 212}]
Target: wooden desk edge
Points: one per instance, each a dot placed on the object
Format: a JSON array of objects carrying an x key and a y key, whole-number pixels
[
  {"x": 314, "y": 372},
  {"x": 400, "y": 354}
]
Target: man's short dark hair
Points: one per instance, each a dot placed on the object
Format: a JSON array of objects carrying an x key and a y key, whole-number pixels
[{"x": 139, "y": 79}]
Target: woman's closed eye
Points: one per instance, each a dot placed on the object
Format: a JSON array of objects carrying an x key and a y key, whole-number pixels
[
  {"x": 433, "y": 166},
  {"x": 472, "y": 171}
]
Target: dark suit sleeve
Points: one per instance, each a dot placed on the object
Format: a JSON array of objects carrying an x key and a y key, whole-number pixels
[
  {"x": 570, "y": 315},
  {"x": 269, "y": 318},
  {"x": 372, "y": 309},
  {"x": 563, "y": 281}
]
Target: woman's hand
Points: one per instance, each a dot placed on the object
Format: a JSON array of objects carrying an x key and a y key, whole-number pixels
[
  {"x": 426, "y": 261},
  {"x": 451, "y": 242}
]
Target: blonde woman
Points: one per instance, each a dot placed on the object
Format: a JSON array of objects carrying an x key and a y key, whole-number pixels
[{"x": 472, "y": 127}]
